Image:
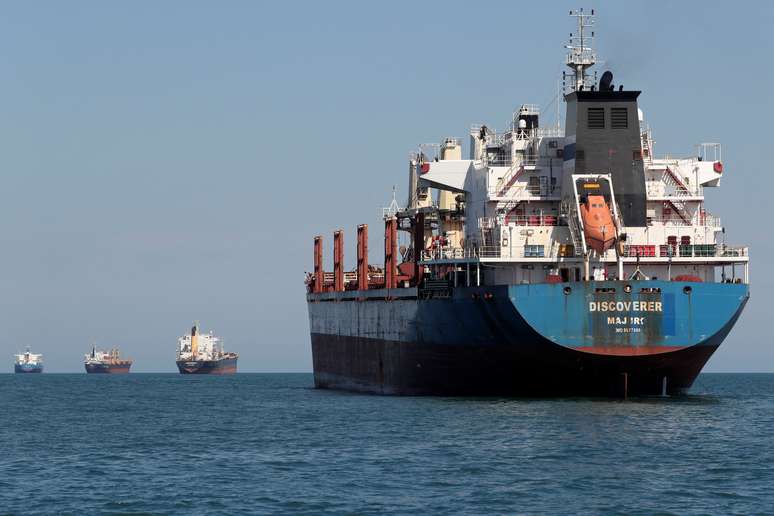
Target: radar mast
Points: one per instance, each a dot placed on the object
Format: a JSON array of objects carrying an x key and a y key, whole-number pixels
[{"x": 581, "y": 55}]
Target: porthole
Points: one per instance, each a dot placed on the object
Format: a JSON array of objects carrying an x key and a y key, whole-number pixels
[
  {"x": 687, "y": 289},
  {"x": 627, "y": 288},
  {"x": 567, "y": 291}
]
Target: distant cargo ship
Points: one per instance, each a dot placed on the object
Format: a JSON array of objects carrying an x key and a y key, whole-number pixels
[
  {"x": 106, "y": 362},
  {"x": 28, "y": 363},
  {"x": 204, "y": 354}
]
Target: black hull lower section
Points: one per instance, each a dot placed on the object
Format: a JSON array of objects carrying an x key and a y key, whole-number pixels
[
  {"x": 224, "y": 366},
  {"x": 407, "y": 368},
  {"x": 108, "y": 368}
]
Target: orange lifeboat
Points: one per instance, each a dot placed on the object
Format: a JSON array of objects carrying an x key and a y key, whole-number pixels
[{"x": 598, "y": 224}]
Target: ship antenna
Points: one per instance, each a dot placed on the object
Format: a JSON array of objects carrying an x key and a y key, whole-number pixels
[{"x": 581, "y": 55}]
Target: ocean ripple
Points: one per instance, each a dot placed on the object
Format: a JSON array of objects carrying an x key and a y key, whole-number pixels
[{"x": 268, "y": 443}]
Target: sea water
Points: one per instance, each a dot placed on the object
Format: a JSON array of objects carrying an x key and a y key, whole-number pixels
[{"x": 271, "y": 443}]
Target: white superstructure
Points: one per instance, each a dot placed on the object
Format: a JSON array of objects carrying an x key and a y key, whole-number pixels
[
  {"x": 198, "y": 346},
  {"x": 28, "y": 359},
  {"x": 511, "y": 210},
  {"x": 98, "y": 356}
]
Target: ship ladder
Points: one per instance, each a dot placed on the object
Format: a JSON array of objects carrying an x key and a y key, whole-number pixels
[
  {"x": 576, "y": 232},
  {"x": 506, "y": 182}
]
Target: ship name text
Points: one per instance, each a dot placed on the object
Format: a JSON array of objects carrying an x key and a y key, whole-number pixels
[{"x": 625, "y": 306}]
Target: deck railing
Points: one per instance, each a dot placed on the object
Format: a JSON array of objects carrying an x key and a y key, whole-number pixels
[
  {"x": 533, "y": 220},
  {"x": 700, "y": 219},
  {"x": 658, "y": 188},
  {"x": 565, "y": 251}
]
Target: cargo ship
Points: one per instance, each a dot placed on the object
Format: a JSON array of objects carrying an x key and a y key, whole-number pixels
[
  {"x": 28, "y": 362},
  {"x": 204, "y": 354},
  {"x": 561, "y": 259},
  {"x": 110, "y": 362}
]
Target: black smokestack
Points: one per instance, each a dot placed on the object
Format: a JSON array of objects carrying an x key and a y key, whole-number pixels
[{"x": 606, "y": 82}]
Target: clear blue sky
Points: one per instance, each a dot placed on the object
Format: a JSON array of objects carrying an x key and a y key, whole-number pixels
[{"x": 170, "y": 161}]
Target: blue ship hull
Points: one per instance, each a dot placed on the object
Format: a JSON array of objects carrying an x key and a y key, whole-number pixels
[
  {"x": 590, "y": 339},
  {"x": 26, "y": 368}
]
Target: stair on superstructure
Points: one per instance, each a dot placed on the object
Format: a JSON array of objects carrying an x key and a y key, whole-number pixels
[
  {"x": 508, "y": 208},
  {"x": 672, "y": 179},
  {"x": 511, "y": 176},
  {"x": 679, "y": 208}
]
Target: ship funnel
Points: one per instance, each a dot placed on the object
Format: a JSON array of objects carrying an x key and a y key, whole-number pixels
[
  {"x": 603, "y": 136},
  {"x": 606, "y": 82},
  {"x": 195, "y": 341}
]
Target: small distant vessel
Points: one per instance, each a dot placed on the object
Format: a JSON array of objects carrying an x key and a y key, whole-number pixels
[
  {"x": 28, "y": 363},
  {"x": 204, "y": 354},
  {"x": 99, "y": 361}
]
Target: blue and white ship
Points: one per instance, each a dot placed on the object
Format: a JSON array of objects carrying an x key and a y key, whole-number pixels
[
  {"x": 28, "y": 362},
  {"x": 559, "y": 260}
]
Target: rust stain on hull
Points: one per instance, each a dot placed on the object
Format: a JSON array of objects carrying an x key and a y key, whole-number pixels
[{"x": 629, "y": 351}]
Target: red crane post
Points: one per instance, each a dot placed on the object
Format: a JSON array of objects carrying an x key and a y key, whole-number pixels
[
  {"x": 362, "y": 257},
  {"x": 338, "y": 261},
  {"x": 319, "y": 274},
  {"x": 391, "y": 253}
]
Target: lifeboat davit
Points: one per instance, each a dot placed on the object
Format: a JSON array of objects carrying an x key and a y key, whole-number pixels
[{"x": 598, "y": 226}]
